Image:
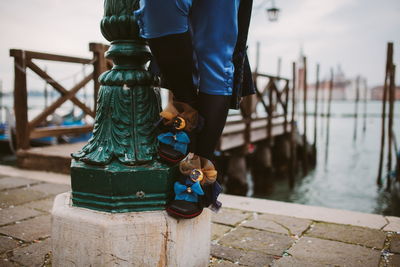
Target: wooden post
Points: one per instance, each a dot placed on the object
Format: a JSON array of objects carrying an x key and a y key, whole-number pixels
[
  {"x": 316, "y": 108},
  {"x": 356, "y": 107},
  {"x": 322, "y": 101},
  {"x": 293, "y": 155},
  {"x": 328, "y": 116},
  {"x": 271, "y": 111},
  {"x": 257, "y": 56},
  {"x": 305, "y": 153},
  {"x": 365, "y": 105},
  {"x": 278, "y": 71},
  {"x": 389, "y": 62},
  {"x": 1, "y": 101},
  {"x": 392, "y": 89},
  {"x": 286, "y": 107},
  {"x": 20, "y": 99},
  {"x": 99, "y": 66}
]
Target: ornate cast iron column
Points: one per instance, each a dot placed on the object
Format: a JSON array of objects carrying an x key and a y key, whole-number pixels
[{"x": 117, "y": 170}]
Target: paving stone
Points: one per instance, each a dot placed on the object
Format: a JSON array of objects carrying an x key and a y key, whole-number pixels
[
  {"x": 256, "y": 240},
  {"x": 395, "y": 243},
  {"x": 393, "y": 225},
  {"x": 42, "y": 205},
  {"x": 327, "y": 252},
  {"x": 278, "y": 224},
  {"x": 350, "y": 234},
  {"x": 242, "y": 257},
  {"x": 393, "y": 261},
  {"x": 7, "y": 263},
  {"x": 29, "y": 230},
  {"x": 12, "y": 182},
  {"x": 218, "y": 230},
  {"x": 222, "y": 263},
  {"x": 18, "y": 213},
  {"x": 7, "y": 243},
  {"x": 53, "y": 189},
  {"x": 34, "y": 254},
  {"x": 226, "y": 253},
  {"x": 252, "y": 258},
  {"x": 294, "y": 262},
  {"x": 19, "y": 196},
  {"x": 230, "y": 216}
]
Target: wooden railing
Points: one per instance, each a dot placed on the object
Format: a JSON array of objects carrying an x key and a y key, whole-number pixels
[
  {"x": 27, "y": 130},
  {"x": 274, "y": 99}
]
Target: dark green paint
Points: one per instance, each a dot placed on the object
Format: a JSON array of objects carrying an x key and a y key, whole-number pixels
[{"x": 118, "y": 164}]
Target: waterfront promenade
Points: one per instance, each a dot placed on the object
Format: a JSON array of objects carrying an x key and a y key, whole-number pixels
[{"x": 247, "y": 232}]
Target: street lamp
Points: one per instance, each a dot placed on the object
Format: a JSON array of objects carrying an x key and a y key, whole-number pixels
[{"x": 272, "y": 12}]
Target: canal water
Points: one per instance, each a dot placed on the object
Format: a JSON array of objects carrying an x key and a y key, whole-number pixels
[{"x": 347, "y": 179}]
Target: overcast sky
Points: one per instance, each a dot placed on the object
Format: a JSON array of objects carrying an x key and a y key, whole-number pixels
[{"x": 352, "y": 33}]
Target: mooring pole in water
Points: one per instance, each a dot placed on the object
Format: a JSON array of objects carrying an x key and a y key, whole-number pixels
[
  {"x": 257, "y": 56},
  {"x": 1, "y": 101},
  {"x": 365, "y": 105},
  {"x": 322, "y": 101},
  {"x": 293, "y": 155},
  {"x": 392, "y": 89},
  {"x": 357, "y": 98},
  {"x": 316, "y": 109},
  {"x": 278, "y": 71},
  {"x": 389, "y": 60},
  {"x": 305, "y": 151},
  {"x": 328, "y": 117}
]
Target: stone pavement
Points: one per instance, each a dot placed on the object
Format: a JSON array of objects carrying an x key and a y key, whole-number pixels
[{"x": 240, "y": 237}]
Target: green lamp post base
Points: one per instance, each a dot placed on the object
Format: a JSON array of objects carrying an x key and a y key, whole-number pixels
[
  {"x": 120, "y": 188},
  {"x": 117, "y": 170}
]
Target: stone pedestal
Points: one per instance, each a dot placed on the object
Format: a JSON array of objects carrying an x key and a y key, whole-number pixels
[{"x": 83, "y": 237}]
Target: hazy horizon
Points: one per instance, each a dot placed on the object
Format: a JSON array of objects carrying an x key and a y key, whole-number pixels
[{"x": 350, "y": 33}]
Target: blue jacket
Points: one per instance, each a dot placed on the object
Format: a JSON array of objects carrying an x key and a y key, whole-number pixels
[{"x": 243, "y": 84}]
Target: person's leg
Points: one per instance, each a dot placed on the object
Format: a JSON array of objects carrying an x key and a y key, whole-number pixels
[
  {"x": 174, "y": 56},
  {"x": 165, "y": 24},
  {"x": 214, "y": 110},
  {"x": 215, "y": 29}
]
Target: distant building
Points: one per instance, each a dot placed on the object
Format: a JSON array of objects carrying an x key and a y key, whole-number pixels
[
  {"x": 377, "y": 93},
  {"x": 342, "y": 86}
]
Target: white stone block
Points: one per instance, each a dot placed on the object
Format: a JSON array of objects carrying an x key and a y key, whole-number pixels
[{"x": 83, "y": 237}]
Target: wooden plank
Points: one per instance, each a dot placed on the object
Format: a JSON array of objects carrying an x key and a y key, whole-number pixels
[
  {"x": 272, "y": 77},
  {"x": 66, "y": 95},
  {"x": 61, "y": 89},
  {"x": 51, "y": 57},
  {"x": 236, "y": 139},
  {"x": 55, "y": 158},
  {"x": 59, "y": 130},
  {"x": 20, "y": 99}
]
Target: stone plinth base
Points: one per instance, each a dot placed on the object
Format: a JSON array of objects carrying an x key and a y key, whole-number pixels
[{"x": 83, "y": 237}]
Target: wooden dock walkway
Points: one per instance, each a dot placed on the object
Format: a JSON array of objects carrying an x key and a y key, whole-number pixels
[
  {"x": 57, "y": 158},
  {"x": 262, "y": 117}
]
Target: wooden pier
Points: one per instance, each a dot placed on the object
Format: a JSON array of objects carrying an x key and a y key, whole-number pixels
[{"x": 262, "y": 117}]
